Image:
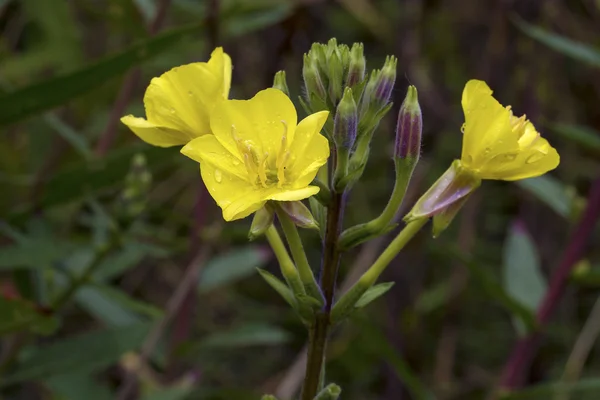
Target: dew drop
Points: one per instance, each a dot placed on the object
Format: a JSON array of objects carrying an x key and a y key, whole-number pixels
[
  {"x": 534, "y": 158},
  {"x": 235, "y": 162},
  {"x": 190, "y": 93},
  {"x": 218, "y": 175},
  {"x": 510, "y": 157}
]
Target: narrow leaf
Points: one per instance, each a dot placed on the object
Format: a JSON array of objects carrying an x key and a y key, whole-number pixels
[
  {"x": 550, "y": 191},
  {"x": 231, "y": 267},
  {"x": 279, "y": 286},
  {"x": 373, "y": 293}
]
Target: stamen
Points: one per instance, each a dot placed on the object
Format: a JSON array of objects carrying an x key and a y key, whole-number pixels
[
  {"x": 262, "y": 171},
  {"x": 250, "y": 167}
]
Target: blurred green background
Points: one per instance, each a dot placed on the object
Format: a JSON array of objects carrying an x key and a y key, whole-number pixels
[{"x": 102, "y": 236}]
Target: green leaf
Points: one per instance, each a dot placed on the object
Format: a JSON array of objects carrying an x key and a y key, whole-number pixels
[
  {"x": 75, "y": 385},
  {"x": 523, "y": 279},
  {"x": 35, "y": 253},
  {"x": 19, "y": 315},
  {"x": 85, "y": 353},
  {"x": 280, "y": 287},
  {"x": 174, "y": 393},
  {"x": 80, "y": 179},
  {"x": 246, "y": 335},
  {"x": 373, "y": 293},
  {"x": 546, "y": 391},
  {"x": 46, "y": 95},
  {"x": 586, "y": 137},
  {"x": 550, "y": 191},
  {"x": 231, "y": 267},
  {"x": 561, "y": 44}
]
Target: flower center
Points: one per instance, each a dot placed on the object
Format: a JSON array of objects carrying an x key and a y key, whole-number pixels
[{"x": 264, "y": 170}]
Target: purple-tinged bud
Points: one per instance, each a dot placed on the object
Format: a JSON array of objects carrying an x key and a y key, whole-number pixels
[
  {"x": 446, "y": 197},
  {"x": 357, "y": 65},
  {"x": 280, "y": 82},
  {"x": 345, "y": 122},
  {"x": 385, "y": 84},
  {"x": 409, "y": 127},
  {"x": 312, "y": 78}
]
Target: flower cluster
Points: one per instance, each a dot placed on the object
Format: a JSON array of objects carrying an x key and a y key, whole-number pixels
[{"x": 250, "y": 151}]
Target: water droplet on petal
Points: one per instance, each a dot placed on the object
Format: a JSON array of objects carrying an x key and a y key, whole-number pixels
[
  {"x": 510, "y": 157},
  {"x": 190, "y": 93},
  {"x": 534, "y": 158},
  {"x": 235, "y": 162},
  {"x": 218, "y": 175}
]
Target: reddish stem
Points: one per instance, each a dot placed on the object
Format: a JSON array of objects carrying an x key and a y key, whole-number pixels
[{"x": 524, "y": 349}]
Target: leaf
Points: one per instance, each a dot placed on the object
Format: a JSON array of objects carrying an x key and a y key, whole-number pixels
[
  {"x": 113, "y": 306},
  {"x": 48, "y": 94},
  {"x": 280, "y": 287},
  {"x": 79, "y": 179},
  {"x": 239, "y": 21},
  {"x": 373, "y": 293},
  {"x": 75, "y": 385},
  {"x": 232, "y": 267},
  {"x": 545, "y": 391},
  {"x": 34, "y": 253},
  {"x": 85, "y": 353},
  {"x": 561, "y": 44},
  {"x": 523, "y": 279},
  {"x": 550, "y": 191},
  {"x": 20, "y": 315},
  {"x": 246, "y": 335},
  {"x": 586, "y": 137},
  {"x": 175, "y": 393}
]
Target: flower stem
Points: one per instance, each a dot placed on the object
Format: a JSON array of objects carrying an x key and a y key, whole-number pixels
[
  {"x": 319, "y": 330},
  {"x": 288, "y": 270},
  {"x": 359, "y": 233},
  {"x": 299, "y": 256},
  {"x": 345, "y": 304}
]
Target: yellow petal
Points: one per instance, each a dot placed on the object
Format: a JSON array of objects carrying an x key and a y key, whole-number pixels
[
  {"x": 534, "y": 161},
  {"x": 310, "y": 149},
  {"x": 236, "y": 197},
  {"x": 153, "y": 134},
  {"x": 207, "y": 149},
  {"x": 259, "y": 122},
  {"x": 293, "y": 195},
  {"x": 487, "y": 131},
  {"x": 221, "y": 60}
]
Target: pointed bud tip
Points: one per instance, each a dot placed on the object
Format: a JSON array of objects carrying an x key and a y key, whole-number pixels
[{"x": 409, "y": 127}]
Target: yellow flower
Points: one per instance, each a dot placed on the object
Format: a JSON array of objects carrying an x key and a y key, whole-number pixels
[
  {"x": 258, "y": 153},
  {"x": 497, "y": 144},
  {"x": 179, "y": 102}
]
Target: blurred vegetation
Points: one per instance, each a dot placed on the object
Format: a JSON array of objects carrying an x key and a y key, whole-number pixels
[{"x": 117, "y": 270}]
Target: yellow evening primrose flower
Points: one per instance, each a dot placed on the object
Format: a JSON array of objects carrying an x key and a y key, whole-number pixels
[
  {"x": 179, "y": 102},
  {"x": 497, "y": 144},
  {"x": 258, "y": 152}
]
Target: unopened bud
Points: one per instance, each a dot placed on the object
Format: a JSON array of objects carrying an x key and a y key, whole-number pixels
[
  {"x": 331, "y": 392},
  {"x": 336, "y": 76},
  {"x": 446, "y": 197},
  {"x": 299, "y": 214},
  {"x": 346, "y": 121},
  {"x": 312, "y": 78},
  {"x": 356, "y": 65},
  {"x": 280, "y": 82},
  {"x": 262, "y": 220},
  {"x": 409, "y": 127},
  {"x": 385, "y": 84},
  {"x": 268, "y": 397}
]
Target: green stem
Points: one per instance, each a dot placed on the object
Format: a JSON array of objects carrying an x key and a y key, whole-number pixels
[
  {"x": 360, "y": 233},
  {"x": 299, "y": 255},
  {"x": 346, "y": 303},
  {"x": 319, "y": 331},
  {"x": 288, "y": 270}
]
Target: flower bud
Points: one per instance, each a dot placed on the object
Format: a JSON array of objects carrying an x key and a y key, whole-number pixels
[
  {"x": 409, "y": 127},
  {"x": 262, "y": 220},
  {"x": 446, "y": 197},
  {"x": 385, "y": 84},
  {"x": 280, "y": 82},
  {"x": 299, "y": 214},
  {"x": 356, "y": 65},
  {"x": 133, "y": 198},
  {"x": 336, "y": 76},
  {"x": 345, "y": 122},
  {"x": 331, "y": 392},
  {"x": 312, "y": 78}
]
